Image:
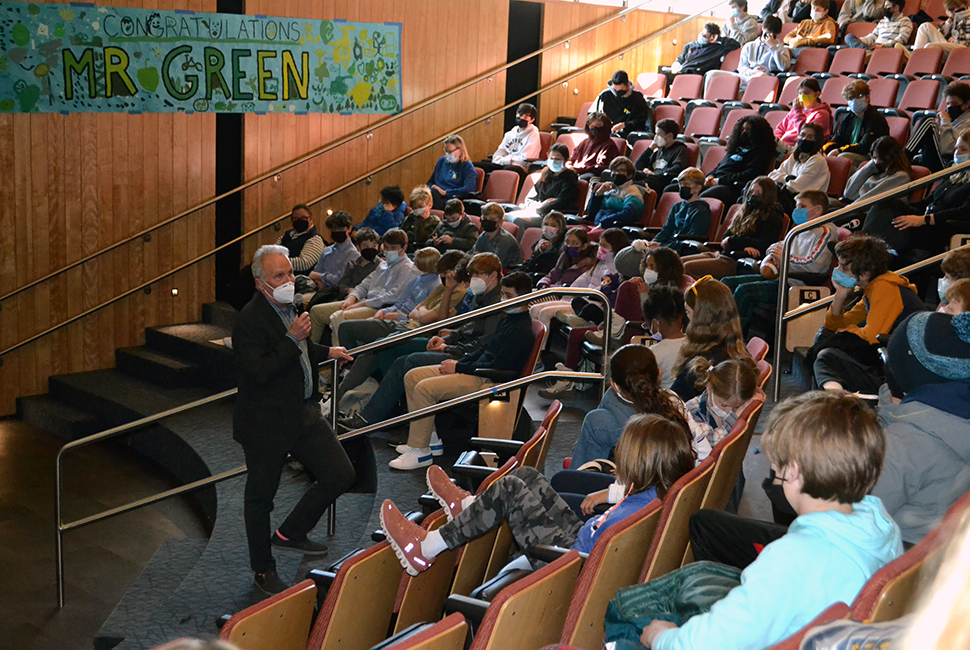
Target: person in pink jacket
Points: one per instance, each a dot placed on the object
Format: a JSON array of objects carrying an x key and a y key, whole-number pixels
[{"x": 805, "y": 108}]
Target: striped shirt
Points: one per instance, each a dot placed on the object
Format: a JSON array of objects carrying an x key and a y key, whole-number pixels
[
  {"x": 287, "y": 314},
  {"x": 890, "y": 31}
]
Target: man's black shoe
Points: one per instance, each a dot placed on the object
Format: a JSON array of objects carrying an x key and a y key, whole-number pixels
[
  {"x": 270, "y": 583},
  {"x": 352, "y": 422},
  {"x": 306, "y": 546}
]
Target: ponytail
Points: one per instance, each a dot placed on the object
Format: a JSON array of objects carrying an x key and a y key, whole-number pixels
[{"x": 732, "y": 378}]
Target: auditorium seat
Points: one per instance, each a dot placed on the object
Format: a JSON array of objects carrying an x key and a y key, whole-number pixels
[
  {"x": 422, "y": 597},
  {"x": 859, "y": 30},
  {"x": 578, "y": 125},
  {"x": 845, "y": 62},
  {"x": 774, "y": 118},
  {"x": 652, "y": 84},
  {"x": 447, "y": 634},
  {"x": 664, "y": 204},
  {"x": 570, "y": 140},
  {"x": 730, "y": 120},
  {"x": 923, "y": 61},
  {"x": 693, "y": 154},
  {"x": 670, "y": 541},
  {"x": 785, "y": 29},
  {"x": 545, "y": 141},
  {"x": 757, "y": 347},
  {"x": 703, "y": 121},
  {"x": 502, "y": 186},
  {"x": 638, "y": 148},
  {"x": 921, "y": 94},
  {"x": 529, "y": 239},
  {"x": 686, "y": 87},
  {"x": 479, "y": 179},
  {"x": 898, "y": 128},
  {"x": 832, "y": 90},
  {"x": 832, "y": 613},
  {"x": 957, "y": 64},
  {"x": 838, "y": 175},
  {"x": 812, "y": 60},
  {"x": 673, "y": 112},
  {"x": 729, "y": 456},
  {"x": 621, "y": 145},
  {"x": 712, "y": 158},
  {"x": 884, "y": 62},
  {"x": 717, "y": 212},
  {"x": 280, "y": 622},
  {"x": 883, "y": 91},
  {"x": 893, "y": 590},
  {"x": 731, "y": 60}
]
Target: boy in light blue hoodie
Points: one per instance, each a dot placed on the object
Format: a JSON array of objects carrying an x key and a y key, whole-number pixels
[{"x": 827, "y": 450}]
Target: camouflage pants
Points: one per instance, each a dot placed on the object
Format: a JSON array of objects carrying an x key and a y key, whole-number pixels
[{"x": 535, "y": 512}]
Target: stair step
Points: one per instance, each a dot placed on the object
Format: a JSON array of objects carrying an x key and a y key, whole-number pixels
[
  {"x": 158, "y": 367},
  {"x": 162, "y": 575},
  {"x": 60, "y": 418},
  {"x": 193, "y": 341},
  {"x": 221, "y": 314}
]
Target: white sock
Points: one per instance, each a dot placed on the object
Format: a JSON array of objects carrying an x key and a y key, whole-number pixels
[
  {"x": 467, "y": 501},
  {"x": 433, "y": 544}
]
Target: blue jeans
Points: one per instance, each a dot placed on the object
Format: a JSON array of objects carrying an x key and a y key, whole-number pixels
[
  {"x": 391, "y": 390},
  {"x": 601, "y": 429},
  {"x": 853, "y": 41}
]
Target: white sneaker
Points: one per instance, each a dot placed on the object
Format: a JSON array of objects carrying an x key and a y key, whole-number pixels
[
  {"x": 436, "y": 446},
  {"x": 412, "y": 459}
]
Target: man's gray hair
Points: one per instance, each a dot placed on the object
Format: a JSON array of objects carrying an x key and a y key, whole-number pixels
[{"x": 263, "y": 251}]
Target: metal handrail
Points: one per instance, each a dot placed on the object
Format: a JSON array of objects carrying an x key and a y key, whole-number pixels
[
  {"x": 330, "y": 146},
  {"x": 61, "y": 527},
  {"x": 783, "y": 272},
  {"x": 363, "y": 177}
]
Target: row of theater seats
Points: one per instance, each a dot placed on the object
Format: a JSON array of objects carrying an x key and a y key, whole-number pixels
[{"x": 367, "y": 601}]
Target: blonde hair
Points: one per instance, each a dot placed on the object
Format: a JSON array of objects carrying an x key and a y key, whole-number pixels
[
  {"x": 653, "y": 452},
  {"x": 420, "y": 195},
  {"x": 426, "y": 259},
  {"x": 834, "y": 438},
  {"x": 692, "y": 174},
  {"x": 954, "y": 5},
  {"x": 458, "y": 141},
  {"x": 493, "y": 209}
]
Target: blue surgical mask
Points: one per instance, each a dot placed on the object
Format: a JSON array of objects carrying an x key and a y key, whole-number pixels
[
  {"x": 858, "y": 105},
  {"x": 391, "y": 256},
  {"x": 843, "y": 279},
  {"x": 959, "y": 160},
  {"x": 799, "y": 216},
  {"x": 555, "y": 166}
]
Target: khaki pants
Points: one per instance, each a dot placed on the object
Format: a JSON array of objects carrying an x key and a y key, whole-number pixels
[
  {"x": 701, "y": 264},
  {"x": 426, "y": 386},
  {"x": 329, "y": 313}
]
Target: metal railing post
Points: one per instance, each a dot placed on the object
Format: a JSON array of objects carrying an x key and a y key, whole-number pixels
[{"x": 59, "y": 532}]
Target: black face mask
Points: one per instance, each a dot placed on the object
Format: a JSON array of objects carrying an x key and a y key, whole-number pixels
[
  {"x": 596, "y": 132},
  {"x": 686, "y": 193},
  {"x": 954, "y": 111},
  {"x": 369, "y": 254},
  {"x": 301, "y": 225},
  {"x": 753, "y": 201},
  {"x": 521, "y": 123},
  {"x": 489, "y": 226},
  {"x": 744, "y": 141},
  {"x": 620, "y": 179},
  {"x": 887, "y": 13},
  {"x": 339, "y": 237},
  {"x": 807, "y": 146}
]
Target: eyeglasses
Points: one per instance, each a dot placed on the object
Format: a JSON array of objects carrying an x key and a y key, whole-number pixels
[{"x": 693, "y": 287}]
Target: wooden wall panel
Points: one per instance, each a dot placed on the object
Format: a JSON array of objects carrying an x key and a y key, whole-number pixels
[
  {"x": 563, "y": 18},
  {"x": 434, "y": 59},
  {"x": 75, "y": 184}
]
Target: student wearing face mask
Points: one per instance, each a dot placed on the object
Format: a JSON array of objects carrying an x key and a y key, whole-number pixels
[
  {"x": 593, "y": 155},
  {"x": 859, "y": 127},
  {"x": 420, "y": 224},
  {"x": 519, "y": 147},
  {"x": 548, "y": 247},
  {"x": 727, "y": 389},
  {"x": 809, "y": 261},
  {"x": 335, "y": 258},
  {"x": 623, "y": 104},
  {"x": 858, "y": 11},
  {"x": 689, "y": 219},
  {"x": 817, "y": 31},
  {"x": 556, "y": 190},
  {"x": 805, "y": 170},
  {"x": 953, "y": 34},
  {"x": 500, "y": 359},
  {"x": 668, "y": 156},
  {"x": 577, "y": 257},
  {"x": 456, "y": 230},
  {"x": 931, "y": 144},
  {"x": 740, "y": 25},
  {"x": 454, "y": 175},
  {"x": 929, "y": 224},
  {"x": 496, "y": 239},
  {"x": 388, "y": 213},
  {"x": 378, "y": 290},
  {"x": 302, "y": 241},
  {"x": 704, "y": 54},
  {"x": 368, "y": 245},
  {"x": 665, "y": 316},
  {"x": 762, "y": 54},
  {"x": 893, "y": 30},
  {"x": 888, "y": 169},
  {"x": 806, "y": 108},
  {"x": 845, "y": 356},
  {"x": 755, "y": 227},
  {"x": 617, "y": 202},
  {"x": 747, "y": 156}
]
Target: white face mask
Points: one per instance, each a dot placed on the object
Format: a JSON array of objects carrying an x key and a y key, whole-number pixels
[
  {"x": 720, "y": 414},
  {"x": 419, "y": 211},
  {"x": 819, "y": 15},
  {"x": 284, "y": 293},
  {"x": 453, "y": 224},
  {"x": 451, "y": 158},
  {"x": 650, "y": 276},
  {"x": 941, "y": 286},
  {"x": 660, "y": 141},
  {"x": 477, "y": 286}
]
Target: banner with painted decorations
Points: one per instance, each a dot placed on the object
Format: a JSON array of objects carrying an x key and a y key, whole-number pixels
[{"x": 69, "y": 58}]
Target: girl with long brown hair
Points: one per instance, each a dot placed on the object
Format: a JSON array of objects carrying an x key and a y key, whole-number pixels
[
  {"x": 756, "y": 226},
  {"x": 714, "y": 332}
]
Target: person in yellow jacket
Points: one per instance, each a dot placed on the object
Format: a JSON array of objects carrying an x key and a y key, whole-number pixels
[
  {"x": 849, "y": 359},
  {"x": 818, "y": 31}
]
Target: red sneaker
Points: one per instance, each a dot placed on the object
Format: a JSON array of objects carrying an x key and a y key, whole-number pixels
[
  {"x": 405, "y": 538},
  {"x": 445, "y": 492}
]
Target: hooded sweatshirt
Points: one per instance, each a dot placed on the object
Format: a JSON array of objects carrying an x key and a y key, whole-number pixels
[
  {"x": 886, "y": 301},
  {"x": 927, "y": 463},
  {"x": 788, "y": 129},
  {"x": 824, "y": 558}
]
